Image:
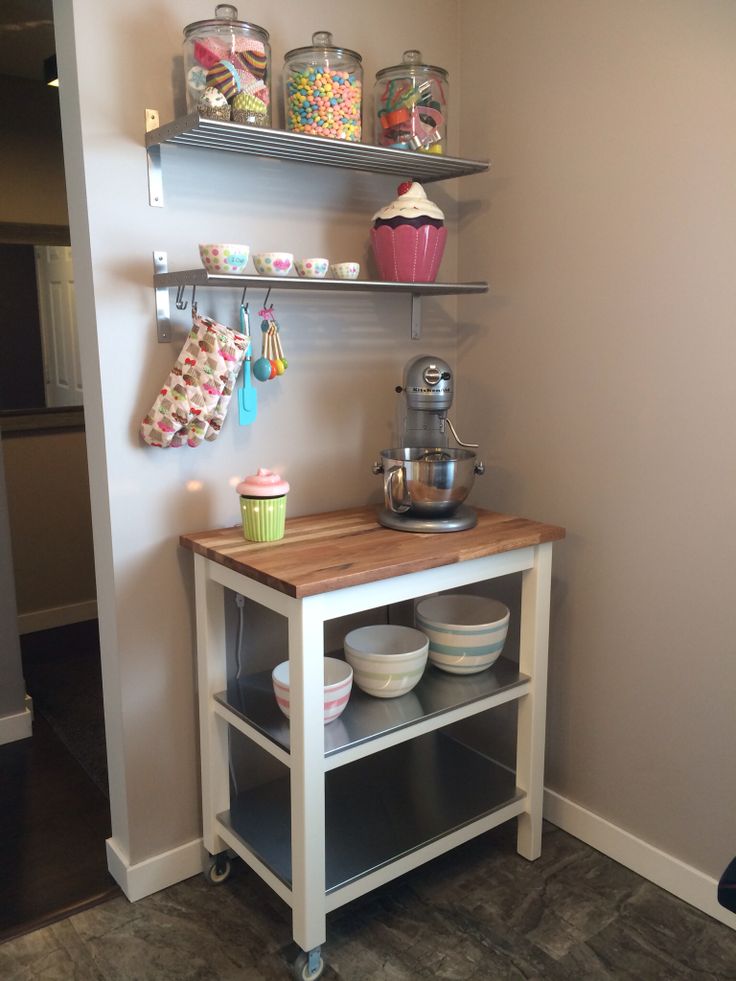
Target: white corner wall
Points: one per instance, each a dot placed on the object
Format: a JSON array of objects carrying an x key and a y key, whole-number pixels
[
  {"x": 322, "y": 423},
  {"x": 599, "y": 372}
]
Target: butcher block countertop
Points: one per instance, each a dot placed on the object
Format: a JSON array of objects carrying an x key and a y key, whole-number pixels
[{"x": 322, "y": 552}]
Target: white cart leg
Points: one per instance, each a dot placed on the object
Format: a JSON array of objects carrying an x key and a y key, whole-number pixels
[
  {"x": 306, "y": 682},
  {"x": 535, "y": 602},
  {"x": 212, "y": 678}
]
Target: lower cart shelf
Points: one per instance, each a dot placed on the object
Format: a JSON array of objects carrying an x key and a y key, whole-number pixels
[{"x": 381, "y": 808}]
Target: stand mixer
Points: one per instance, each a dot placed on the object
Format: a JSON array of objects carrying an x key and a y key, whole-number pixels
[{"x": 425, "y": 481}]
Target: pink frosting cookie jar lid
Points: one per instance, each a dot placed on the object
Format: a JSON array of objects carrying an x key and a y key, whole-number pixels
[{"x": 265, "y": 483}]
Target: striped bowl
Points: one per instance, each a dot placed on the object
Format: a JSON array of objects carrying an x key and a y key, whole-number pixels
[
  {"x": 338, "y": 685},
  {"x": 387, "y": 660},
  {"x": 466, "y": 633}
]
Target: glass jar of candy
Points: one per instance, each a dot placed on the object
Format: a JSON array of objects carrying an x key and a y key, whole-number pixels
[
  {"x": 228, "y": 68},
  {"x": 411, "y": 105},
  {"x": 323, "y": 90}
]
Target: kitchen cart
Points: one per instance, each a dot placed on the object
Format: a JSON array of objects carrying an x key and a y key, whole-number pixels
[{"x": 385, "y": 787}]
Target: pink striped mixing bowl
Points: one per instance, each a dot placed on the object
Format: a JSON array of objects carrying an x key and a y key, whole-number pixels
[{"x": 338, "y": 685}]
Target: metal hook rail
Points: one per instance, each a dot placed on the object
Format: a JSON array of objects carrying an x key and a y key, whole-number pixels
[{"x": 194, "y": 278}]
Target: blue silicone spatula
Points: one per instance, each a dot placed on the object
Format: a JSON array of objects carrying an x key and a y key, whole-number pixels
[{"x": 247, "y": 397}]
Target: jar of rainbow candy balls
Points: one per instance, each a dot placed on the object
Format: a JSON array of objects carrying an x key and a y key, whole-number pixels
[
  {"x": 323, "y": 89},
  {"x": 228, "y": 65},
  {"x": 411, "y": 105}
]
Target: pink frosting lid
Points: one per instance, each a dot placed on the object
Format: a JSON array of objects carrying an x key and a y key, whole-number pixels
[{"x": 265, "y": 483}]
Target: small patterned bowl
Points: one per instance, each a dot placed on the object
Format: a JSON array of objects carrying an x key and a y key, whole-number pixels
[
  {"x": 273, "y": 263},
  {"x": 224, "y": 259},
  {"x": 387, "y": 659},
  {"x": 345, "y": 270},
  {"x": 312, "y": 268},
  {"x": 338, "y": 685},
  {"x": 466, "y": 633}
]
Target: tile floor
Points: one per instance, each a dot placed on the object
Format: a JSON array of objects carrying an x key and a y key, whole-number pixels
[{"x": 478, "y": 913}]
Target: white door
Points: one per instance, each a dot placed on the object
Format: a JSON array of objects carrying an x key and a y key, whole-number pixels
[{"x": 58, "y": 315}]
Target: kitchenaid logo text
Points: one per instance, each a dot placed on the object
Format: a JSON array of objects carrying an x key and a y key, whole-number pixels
[{"x": 429, "y": 391}]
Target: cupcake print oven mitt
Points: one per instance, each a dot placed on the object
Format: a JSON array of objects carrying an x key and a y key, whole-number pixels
[{"x": 193, "y": 401}]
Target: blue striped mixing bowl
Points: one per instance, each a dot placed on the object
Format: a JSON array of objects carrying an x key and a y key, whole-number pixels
[{"x": 466, "y": 633}]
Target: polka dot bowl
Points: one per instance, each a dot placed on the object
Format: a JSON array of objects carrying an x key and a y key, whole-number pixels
[
  {"x": 273, "y": 263},
  {"x": 224, "y": 260},
  {"x": 312, "y": 268},
  {"x": 345, "y": 270}
]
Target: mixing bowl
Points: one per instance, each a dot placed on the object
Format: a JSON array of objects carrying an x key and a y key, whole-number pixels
[
  {"x": 466, "y": 633},
  {"x": 338, "y": 685},
  {"x": 387, "y": 660},
  {"x": 425, "y": 481}
]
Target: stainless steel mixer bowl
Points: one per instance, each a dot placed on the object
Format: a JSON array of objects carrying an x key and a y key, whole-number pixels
[{"x": 429, "y": 482}]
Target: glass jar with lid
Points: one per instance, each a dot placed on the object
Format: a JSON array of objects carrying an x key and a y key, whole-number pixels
[
  {"x": 323, "y": 90},
  {"x": 228, "y": 68},
  {"x": 411, "y": 105}
]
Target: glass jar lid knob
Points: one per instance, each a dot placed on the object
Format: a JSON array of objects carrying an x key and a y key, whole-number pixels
[
  {"x": 412, "y": 57},
  {"x": 226, "y": 11},
  {"x": 322, "y": 39}
]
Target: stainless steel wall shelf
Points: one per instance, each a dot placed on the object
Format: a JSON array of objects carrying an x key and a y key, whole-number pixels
[
  {"x": 163, "y": 281},
  {"x": 209, "y": 134}
]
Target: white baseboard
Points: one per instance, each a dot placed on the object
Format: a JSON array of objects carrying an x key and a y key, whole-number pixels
[
  {"x": 683, "y": 881},
  {"x": 157, "y": 872},
  {"x": 18, "y": 726},
  {"x": 56, "y": 616}
]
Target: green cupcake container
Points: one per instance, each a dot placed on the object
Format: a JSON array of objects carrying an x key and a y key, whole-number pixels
[{"x": 263, "y": 518}]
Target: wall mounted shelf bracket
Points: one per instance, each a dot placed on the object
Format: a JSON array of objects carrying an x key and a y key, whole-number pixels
[
  {"x": 153, "y": 159},
  {"x": 163, "y": 309}
]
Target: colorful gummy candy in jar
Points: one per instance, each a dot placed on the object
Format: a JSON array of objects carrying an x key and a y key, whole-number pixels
[
  {"x": 227, "y": 63},
  {"x": 411, "y": 105},
  {"x": 323, "y": 89}
]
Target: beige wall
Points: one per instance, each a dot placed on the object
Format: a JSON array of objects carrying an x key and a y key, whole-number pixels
[
  {"x": 50, "y": 521},
  {"x": 31, "y": 162},
  {"x": 322, "y": 423},
  {"x": 599, "y": 373},
  {"x": 46, "y": 473}
]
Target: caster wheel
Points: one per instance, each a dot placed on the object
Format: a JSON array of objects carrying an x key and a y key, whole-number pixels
[
  {"x": 300, "y": 968},
  {"x": 219, "y": 871}
]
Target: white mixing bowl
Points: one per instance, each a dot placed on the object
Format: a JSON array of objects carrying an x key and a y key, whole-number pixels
[{"x": 387, "y": 660}]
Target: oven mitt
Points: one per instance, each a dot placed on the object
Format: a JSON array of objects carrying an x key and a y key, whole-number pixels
[{"x": 193, "y": 401}]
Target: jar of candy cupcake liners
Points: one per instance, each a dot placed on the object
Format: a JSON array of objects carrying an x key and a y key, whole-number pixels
[
  {"x": 323, "y": 90},
  {"x": 411, "y": 105},
  {"x": 227, "y": 64}
]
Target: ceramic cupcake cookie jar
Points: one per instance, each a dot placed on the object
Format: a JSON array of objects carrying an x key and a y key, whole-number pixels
[
  {"x": 263, "y": 505},
  {"x": 408, "y": 237}
]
